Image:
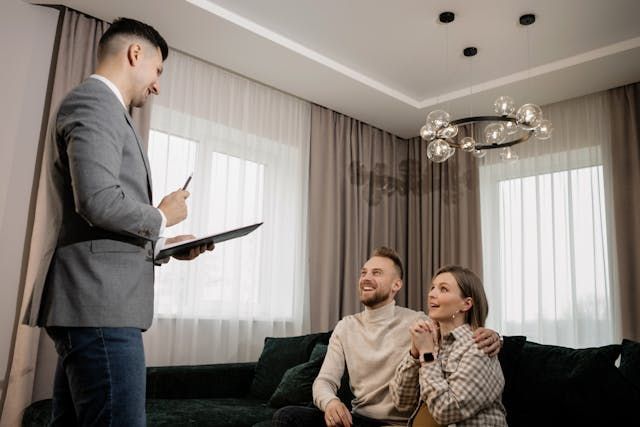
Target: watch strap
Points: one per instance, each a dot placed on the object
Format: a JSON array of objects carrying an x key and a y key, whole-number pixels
[{"x": 428, "y": 357}]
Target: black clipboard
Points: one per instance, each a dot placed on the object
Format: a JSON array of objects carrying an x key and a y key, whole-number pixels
[{"x": 185, "y": 246}]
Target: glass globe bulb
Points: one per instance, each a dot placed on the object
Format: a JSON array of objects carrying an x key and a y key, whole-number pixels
[
  {"x": 507, "y": 154},
  {"x": 494, "y": 133},
  {"x": 504, "y": 106},
  {"x": 438, "y": 119},
  {"x": 478, "y": 154},
  {"x": 438, "y": 151},
  {"x": 529, "y": 116},
  {"x": 468, "y": 144},
  {"x": 452, "y": 151},
  {"x": 427, "y": 132},
  {"x": 543, "y": 131},
  {"x": 448, "y": 132},
  {"x": 511, "y": 128}
]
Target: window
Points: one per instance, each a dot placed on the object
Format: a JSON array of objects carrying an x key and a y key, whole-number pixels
[
  {"x": 229, "y": 196},
  {"x": 248, "y": 148},
  {"x": 546, "y": 255}
]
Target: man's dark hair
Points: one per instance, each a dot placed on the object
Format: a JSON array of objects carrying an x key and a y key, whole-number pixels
[
  {"x": 386, "y": 252},
  {"x": 131, "y": 27}
]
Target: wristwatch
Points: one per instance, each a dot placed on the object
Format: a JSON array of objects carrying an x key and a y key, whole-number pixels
[{"x": 427, "y": 357}]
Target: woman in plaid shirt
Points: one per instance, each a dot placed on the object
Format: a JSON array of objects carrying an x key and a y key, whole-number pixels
[{"x": 460, "y": 384}]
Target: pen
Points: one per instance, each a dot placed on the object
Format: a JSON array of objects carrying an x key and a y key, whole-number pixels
[{"x": 187, "y": 183}]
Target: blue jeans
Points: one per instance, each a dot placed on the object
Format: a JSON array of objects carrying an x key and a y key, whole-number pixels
[{"x": 100, "y": 378}]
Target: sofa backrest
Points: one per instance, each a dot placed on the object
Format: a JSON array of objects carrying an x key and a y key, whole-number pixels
[{"x": 553, "y": 385}]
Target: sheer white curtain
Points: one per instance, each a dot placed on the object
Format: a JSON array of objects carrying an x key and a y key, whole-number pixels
[
  {"x": 248, "y": 148},
  {"x": 547, "y": 231}
]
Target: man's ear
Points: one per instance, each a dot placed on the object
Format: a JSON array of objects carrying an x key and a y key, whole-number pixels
[
  {"x": 397, "y": 284},
  {"x": 134, "y": 53}
]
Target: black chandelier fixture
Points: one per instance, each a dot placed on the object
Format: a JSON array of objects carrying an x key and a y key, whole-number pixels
[{"x": 503, "y": 130}]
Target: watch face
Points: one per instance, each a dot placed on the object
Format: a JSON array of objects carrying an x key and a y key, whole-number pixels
[{"x": 428, "y": 357}]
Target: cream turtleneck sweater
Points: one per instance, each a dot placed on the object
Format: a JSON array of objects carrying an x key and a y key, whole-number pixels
[{"x": 371, "y": 345}]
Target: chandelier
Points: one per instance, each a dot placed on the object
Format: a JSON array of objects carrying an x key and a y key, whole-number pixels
[{"x": 504, "y": 130}]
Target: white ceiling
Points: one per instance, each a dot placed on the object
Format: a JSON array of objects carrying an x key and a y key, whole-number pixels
[{"x": 385, "y": 61}]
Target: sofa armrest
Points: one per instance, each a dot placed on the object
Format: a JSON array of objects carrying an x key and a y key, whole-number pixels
[{"x": 198, "y": 382}]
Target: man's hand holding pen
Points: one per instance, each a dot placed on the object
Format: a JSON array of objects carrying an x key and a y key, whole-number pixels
[{"x": 174, "y": 207}]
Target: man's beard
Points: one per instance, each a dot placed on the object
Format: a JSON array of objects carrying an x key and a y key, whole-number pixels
[{"x": 374, "y": 299}]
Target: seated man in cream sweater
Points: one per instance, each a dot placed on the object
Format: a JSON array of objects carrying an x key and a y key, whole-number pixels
[{"x": 369, "y": 345}]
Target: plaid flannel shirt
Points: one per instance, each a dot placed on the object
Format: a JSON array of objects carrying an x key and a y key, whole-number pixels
[{"x": 462, "y": 386}]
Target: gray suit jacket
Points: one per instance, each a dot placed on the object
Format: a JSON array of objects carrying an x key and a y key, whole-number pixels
[{"x": 101, "y": 273}]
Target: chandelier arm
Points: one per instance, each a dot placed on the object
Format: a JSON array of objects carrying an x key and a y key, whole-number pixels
[
  {"x": 505, "y": 144},
  {"x": 468, "y": 120},
  {"x": 479, "y": 119}
]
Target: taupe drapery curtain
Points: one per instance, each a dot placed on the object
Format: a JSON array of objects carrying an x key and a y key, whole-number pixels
[
  {"x": 73, "y": 60},
  {"x": 625, "y": 157},
  {"x": 369, "y": 188},
  {"x": 355, "y": 205},
  {"x": 443, "y": 217}
]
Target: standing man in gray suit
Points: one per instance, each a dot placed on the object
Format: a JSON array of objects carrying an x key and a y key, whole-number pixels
[{"x": 98, "y": 294}]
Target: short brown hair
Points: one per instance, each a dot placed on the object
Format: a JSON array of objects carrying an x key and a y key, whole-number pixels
[
  {"x": 471, "y": 287},
  {"x": 386, "y": 252}
]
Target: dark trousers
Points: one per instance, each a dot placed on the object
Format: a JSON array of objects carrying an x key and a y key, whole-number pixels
[
  {"x": 310, "y": 416},
  {"x": 100, "y": 378}
]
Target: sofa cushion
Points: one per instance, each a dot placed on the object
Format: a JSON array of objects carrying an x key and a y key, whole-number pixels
[
  {"x": 180, "y": 412},
  {"x": 37, "y": 414},
  {"x": 560, "y": 385},
  {"x": 207, "y": 412},
  {"x": 296, "y": 385},
  {"x": 278, "y": 355},
  {"x": 509, "y": 357},
  {"x": 509, "y": 354},
  {"x": 630, "y": 362},
  {"x": 200, "y": 381},
  {"x": 319, "y": 352}
]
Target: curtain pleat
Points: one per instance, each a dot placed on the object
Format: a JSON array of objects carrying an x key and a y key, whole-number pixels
[{"x": 625, "y": 155}]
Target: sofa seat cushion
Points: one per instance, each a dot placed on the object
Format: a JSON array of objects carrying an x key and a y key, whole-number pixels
[
  {"x": 180, "y": 412},
  {"x": 207, "y": 412}
]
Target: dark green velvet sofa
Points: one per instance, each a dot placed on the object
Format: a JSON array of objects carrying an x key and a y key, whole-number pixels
[
  {"x": 544, "y": 385},
  {"x": 227, "y": 395}
]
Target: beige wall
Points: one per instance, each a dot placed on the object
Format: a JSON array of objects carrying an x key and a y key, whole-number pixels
[{"x": 26, "y": 41}]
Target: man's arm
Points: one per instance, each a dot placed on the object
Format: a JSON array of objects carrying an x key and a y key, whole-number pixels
[
  {"x": 94, "y": 151},
  {"x": 327, "y": 382}
]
